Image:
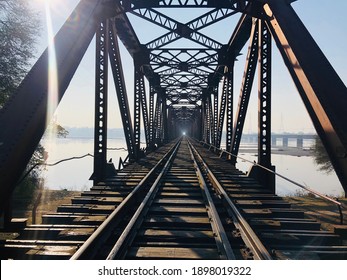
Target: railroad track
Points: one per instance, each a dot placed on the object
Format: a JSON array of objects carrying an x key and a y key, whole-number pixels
[{"x": 182, "y": 202}]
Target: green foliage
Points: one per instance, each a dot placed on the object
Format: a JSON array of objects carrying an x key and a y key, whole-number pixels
[
  {"x": 57, "y": 130},
  {"x": 19, "y": 29},
  {"x": 321, "y": 157}
]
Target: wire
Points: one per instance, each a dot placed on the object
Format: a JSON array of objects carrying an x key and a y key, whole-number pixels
[
  {"x": 63, "y": 160},
  {"x": 117, "y": 149},
  {"x": 67, "y": 159},
  {"x": 50, "y": 164}
]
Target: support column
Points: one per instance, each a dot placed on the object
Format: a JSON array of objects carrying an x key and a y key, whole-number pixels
[
  {"x": 151, "y": 117},
  {"x": 157, "y": 120},
  {"x": 300, "y": 143},
  {"x": 165, "y": 120},
  {"x": 222, "y": 112},
  {"x": 230, "y": 109},
  {"x": 215, "y": 115},
  {"x": 101, "y": 92},
  {"x": 140, "y": 104},
  {"x": 264, "y": 177},
  {"x": 137, "y": 111},
  {"x": 209, "y": 119}
]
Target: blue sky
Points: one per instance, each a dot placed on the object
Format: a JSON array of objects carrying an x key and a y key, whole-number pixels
[{"x": 325, "y": 21}]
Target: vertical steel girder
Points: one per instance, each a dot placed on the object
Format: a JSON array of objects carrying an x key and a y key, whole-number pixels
[
  {"x": 119, "y": 81},
  {"x": 144, "y": 109},
  {"x": 137, "y": 110},
  {"x": 140, "y": 101},
  {"x": 265, "y": 178},
  {"x": 101, "y": 96},
  {"x": 203, "y": 119},
  {"x": 221, "y": 113},
  {"x": 165, "y": 134},
  {"x": 209, "y": 119},
  {"x": 157, "y": 120},
  {"x": 264, "y": 96},
  {"x": 321, "y": 89},
  {"x": 230, "y": 109},
  {"x": 247, "y": 84},
  {"x": 226, "y": 104},
  {"x": 215, "y": 116},
  {"x": 21, "y": 133},
  {"x": 151, "y": 117}
]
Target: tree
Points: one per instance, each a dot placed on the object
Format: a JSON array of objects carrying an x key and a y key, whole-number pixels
[
  {"x": 321, "y": 157},
  {"x": 57, "y": 130},
  {"x": 19, "y": 29}
]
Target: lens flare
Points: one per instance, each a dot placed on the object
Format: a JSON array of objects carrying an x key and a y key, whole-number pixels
[{"x": 52, "y": 68}]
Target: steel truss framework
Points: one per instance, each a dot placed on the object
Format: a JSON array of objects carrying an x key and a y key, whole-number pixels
[{"x": 183, "y": 82}]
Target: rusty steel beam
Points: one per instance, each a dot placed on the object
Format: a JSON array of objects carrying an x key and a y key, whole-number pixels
[
  {"x": 121, "y": 90},
  {"x": 246, "y": 88},
  {"x": 321, "y": 89},
  {"x": 101, "y": 102},
  {"x": 264, "y": 96},
  {"x": 21, "y": 133}
]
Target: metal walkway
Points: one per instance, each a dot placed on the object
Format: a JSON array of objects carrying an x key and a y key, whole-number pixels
[{"x": 180, "y": 202}]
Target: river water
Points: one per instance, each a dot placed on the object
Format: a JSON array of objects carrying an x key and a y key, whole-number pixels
[{"x": 75, "y": 174}]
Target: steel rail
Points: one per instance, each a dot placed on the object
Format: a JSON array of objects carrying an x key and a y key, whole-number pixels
[
  {"x": 248, "y": 235},
  {"x": 88, "y": 249},
  {"x": 222, "y": 240},
  {"x": 129, "y": 233},
  {"x": 339, "y": 205}
]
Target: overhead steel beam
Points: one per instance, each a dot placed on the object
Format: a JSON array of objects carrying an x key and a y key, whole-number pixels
[
  {"x": 137, "y": 4},
  {"x": 21, "y": 133},
  {"x": 179, "y": 30},
  {"x": 321, "y": 89}
]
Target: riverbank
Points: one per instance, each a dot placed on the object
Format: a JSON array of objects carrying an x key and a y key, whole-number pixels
[
  {"x": 288, "y": 151},
  {"x": 320, "y": 210},
  {"x": 48, "y": 202}
]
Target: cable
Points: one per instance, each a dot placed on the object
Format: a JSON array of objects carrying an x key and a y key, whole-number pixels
[
  {"x": 63, "y": 160},
  {"x": 50, "y": 164}
]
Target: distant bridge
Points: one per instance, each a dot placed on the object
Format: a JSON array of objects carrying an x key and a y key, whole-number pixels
[{"x": 284, "y": 138}]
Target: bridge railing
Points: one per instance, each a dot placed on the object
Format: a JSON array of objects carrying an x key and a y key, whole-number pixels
[{"x": 223, "y": 152}]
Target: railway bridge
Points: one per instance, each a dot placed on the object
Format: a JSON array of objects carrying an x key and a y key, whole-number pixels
[{"x": 179, "y": 197}]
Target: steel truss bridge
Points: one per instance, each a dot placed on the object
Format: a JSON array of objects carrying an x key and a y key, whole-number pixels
[{"x": 177, "y": 78}]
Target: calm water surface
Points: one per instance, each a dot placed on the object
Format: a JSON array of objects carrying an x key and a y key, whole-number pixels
[{"x": 75, "y": 174}]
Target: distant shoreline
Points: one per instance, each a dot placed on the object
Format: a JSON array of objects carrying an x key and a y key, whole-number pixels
[{"x": 288, "y": 151}]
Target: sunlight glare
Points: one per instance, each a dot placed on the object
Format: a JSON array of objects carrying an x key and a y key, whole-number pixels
[{"x": 52, "y": 68}]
